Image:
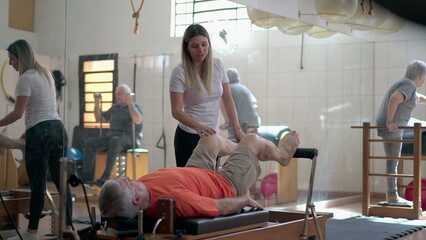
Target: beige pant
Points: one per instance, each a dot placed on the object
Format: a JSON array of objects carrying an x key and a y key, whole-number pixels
[{"x": 240, "y": 170}]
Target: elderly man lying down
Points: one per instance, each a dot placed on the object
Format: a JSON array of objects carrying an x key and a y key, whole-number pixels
[{"x": 197, "y": 188}]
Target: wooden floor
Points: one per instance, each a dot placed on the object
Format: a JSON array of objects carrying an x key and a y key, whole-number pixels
[{"x": 80, "y": 209}]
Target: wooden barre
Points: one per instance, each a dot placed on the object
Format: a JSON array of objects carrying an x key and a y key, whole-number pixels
[{"x": 384, "y": 127}]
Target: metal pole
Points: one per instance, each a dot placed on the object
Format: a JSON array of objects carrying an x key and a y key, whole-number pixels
[{"x": 63, "y": 179}]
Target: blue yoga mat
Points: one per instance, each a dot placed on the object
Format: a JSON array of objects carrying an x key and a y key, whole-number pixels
[{"x": 371, "y": 228}]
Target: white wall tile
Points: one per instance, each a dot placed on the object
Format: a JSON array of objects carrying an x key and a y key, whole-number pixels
[
  {"x": 352, "y": 82},
  {"x": 416, "y": 50},
  {"x": 319, "y": 107},
  {"x": 286, "y": 84},
  {"x": 301, "y": 109},
  {"x": 381, "y": 55},
  {"x": 315, "y": 58},
  {"x": 380, "y": 81},
  {"x": 351, "y": 56},
  {"x": 290, "y": 59},
  {"x": 397, "y": 54},
  {"x": 351, "y": 108},
  {"x": 367, "y": 55},
  {"x": 367, "y": 82},
  {"x": 334, "y": 83},
  {"x": 301, "y": 84},
  {"x": 335, "y": 57},
  {"x": 317, "y": 86}
]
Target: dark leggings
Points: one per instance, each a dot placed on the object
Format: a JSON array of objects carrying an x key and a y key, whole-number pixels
[
  {"x": 184, "y": 143},
  {"x": 45, "y": 144}
]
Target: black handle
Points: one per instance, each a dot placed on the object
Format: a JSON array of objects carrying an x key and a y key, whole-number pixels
[{"x": 310, "y": 153}]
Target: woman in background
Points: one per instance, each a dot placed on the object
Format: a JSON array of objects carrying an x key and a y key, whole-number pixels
[
  {"x": 197, "y": 86},
  {"x": 45, "y": 135}
]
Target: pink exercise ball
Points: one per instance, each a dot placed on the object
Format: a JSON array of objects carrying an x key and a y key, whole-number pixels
[
  {"x": 268, "y": 187},
  {"x": 409, "y": 192}
]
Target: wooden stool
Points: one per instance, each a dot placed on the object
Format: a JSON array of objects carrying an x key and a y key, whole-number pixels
[{"x": 127, "y": 164}]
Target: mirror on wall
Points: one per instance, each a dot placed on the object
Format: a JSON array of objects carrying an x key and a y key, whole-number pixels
[{"x": 317, "y": 86}]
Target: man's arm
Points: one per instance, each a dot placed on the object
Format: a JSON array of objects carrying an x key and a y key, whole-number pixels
[
  {"x": 18, "y": 111},
  {"x": 134, "y": 113},
  {"x": 420, "y": 98},
  {"x": 232, "y": 205}
]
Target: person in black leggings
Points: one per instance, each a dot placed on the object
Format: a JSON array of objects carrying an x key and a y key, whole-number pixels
[{"x": 46, "y": 138}]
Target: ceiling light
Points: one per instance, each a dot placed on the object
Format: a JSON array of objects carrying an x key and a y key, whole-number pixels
[
  {"x": 263, "y": 19},
  {"x": 336, "y": 11},
  {"x": 318, "y": 32},
  {"x": 293, "y": 27},
  {"x": 392, "y": 24}
]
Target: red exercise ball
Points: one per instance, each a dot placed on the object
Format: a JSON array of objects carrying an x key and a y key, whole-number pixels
[
  {"x": 268, "y": 187},
  {"x": 409, "y": 192}
]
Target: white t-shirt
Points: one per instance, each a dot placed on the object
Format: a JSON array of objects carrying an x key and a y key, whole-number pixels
[
  {"x": 202, "y": 107},
  {"x": 42, "y": 103}
]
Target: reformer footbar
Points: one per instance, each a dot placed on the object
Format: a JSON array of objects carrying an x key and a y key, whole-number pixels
[{"x": 310, "y": 153}]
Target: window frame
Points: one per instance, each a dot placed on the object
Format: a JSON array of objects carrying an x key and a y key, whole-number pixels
[
  {"x": 175, "y": 25},
  {"x": 82, "y": 83}
]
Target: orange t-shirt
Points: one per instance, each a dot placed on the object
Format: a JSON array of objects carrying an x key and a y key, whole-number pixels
[{"x": 194, "y": 190}]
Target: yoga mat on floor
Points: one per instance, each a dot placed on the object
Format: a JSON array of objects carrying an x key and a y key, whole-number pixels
[{"x": 371, "y": 228}]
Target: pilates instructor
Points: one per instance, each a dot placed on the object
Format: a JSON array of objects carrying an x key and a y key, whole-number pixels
[
  {"x": 46, "y": 138},
  {"x": 197, "y": 86}
]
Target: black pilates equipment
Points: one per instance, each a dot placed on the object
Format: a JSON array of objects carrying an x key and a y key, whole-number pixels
[{"x": 408, "y": 147}]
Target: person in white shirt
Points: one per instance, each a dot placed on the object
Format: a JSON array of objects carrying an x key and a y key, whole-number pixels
[{"x": 197, "y": 86}]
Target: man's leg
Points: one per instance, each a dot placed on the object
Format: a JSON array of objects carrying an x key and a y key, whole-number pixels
[
  {"x": 242, "y": 168},
  {"x": 266, "y": 150},
  {"x": 89, "y": 155},
  {"x": 219, "y": 145},
  {"x": 208, "y": 149},
  {"x": 116, "y": 144}
]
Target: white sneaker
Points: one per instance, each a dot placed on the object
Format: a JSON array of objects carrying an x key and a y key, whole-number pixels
[
  {"x": 399, "y": 200},
  {"x": 25, "y": 236}
]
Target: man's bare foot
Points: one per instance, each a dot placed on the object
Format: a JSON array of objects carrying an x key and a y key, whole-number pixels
[{"x": 288, "y": 146}]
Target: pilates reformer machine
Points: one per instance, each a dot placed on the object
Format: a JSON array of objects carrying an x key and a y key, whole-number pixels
[{"x": 248, "y": 224}]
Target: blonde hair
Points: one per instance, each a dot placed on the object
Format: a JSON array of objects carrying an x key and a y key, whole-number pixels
[
  {"x": 25, "y": 56},
  {"x": 187, "y": 64}
]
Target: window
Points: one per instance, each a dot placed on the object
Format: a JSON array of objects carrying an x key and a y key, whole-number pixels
[
  {"x": 209, "y": 13},
  {"x": 98, "y": 73}
]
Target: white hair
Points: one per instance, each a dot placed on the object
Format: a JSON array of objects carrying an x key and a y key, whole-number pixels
[
  {"x": 415, "y": 69},
  {"x": 124, "y": 87},
  {"x": 117, "y": 201}
]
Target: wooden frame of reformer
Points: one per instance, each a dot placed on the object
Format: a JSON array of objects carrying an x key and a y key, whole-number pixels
[{"x": 281, "y": 223}]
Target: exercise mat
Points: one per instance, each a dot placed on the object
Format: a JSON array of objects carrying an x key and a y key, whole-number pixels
[{"x": 371, "y": 228}]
